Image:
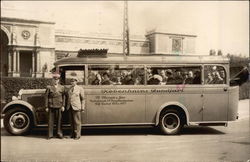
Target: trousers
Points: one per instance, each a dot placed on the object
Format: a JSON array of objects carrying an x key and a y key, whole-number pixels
[
  {"x": 55, "y": 115},
  {"x": 75, "y": 121}
]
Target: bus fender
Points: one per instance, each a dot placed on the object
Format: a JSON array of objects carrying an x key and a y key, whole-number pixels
[
  {"x": 18, "y": 102},
  {"x": 173, "y": 103}
]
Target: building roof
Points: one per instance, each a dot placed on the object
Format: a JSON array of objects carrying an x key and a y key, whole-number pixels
[{"x": 20, "y": 20}]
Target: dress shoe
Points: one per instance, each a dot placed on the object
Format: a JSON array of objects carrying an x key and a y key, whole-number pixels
[
  {"x": 76, "y": 138},
  {"x": 61, "y": 137},
  {"x": 67, "y": 137}
]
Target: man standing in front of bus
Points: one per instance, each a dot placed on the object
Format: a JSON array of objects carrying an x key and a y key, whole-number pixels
[
  {"x": 54, "y": 103},
  {"x": 75, "y": 105}
]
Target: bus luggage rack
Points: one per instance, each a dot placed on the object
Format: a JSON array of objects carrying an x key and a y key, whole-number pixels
[{"x": 92, "y": 53}]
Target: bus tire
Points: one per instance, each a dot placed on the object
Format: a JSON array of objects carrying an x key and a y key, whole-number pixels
[
  {"x": 171, "y": 122},
  {"x": 18, "y": 121}
]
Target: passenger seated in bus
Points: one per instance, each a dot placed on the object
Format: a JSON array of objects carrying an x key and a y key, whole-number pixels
[
  {"x": 197, "y": 77},
  {"x": 128, "y": 80},
  {"x": 209, "y": 78},
  {"x": 106, "y": 80},
  {"x": 214, "y": 71},
  {"x": 113, "y": 74},
  {"x": 156, "y": 79},
  {"x": 91, "y": 76},
  {"x": 223, "y": 76},
  {"x": 124, "y": 73},
  {"x": 189, "y": 78},
  {"x": 178, "y": 77},
  {"x": 98, "y": 80},
  {"x": 149, "y": 74},
  {"x": 118, "y": 81},
  {"x": 164, "y": 76},
  {"x": 170, "y": 76},
  {"x": 217, "y": 79},
  {"x": 138, "y": 80}
]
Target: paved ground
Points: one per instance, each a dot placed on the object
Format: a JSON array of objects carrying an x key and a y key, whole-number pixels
[{"x": 196, "y": 143}]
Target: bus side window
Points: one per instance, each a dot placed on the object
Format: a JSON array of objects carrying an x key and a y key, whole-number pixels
[
  {"x": 74, "y": 71},
  {"x": 193, "y": 76},
  {"x": 154, "y": 77},
  {"x": 98, "y": 75},
  {"x": 214, "y": 74},
  {"x": 115, "y": 75},
  {"x": 173, "y": 75},
  {"x": 130, "y": 75}
]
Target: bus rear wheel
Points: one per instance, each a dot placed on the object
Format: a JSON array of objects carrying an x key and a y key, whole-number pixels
[
  {"x": 17, "y": 121},
  {"x": 170, "y": 122}
]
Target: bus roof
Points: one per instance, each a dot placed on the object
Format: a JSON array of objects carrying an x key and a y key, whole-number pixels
[{"x": 144, "y": 59}]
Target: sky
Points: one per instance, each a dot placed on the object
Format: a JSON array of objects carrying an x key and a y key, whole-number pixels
[{"x": 219, "y": 25}]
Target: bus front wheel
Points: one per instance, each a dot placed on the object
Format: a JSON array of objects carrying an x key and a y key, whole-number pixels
[{"x": 170, "y": 122}]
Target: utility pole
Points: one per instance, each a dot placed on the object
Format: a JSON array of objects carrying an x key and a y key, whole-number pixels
[{"x": 125, "y": 30}]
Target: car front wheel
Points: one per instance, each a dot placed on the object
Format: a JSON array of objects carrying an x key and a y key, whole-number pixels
[{"x": 18, "y": 121}]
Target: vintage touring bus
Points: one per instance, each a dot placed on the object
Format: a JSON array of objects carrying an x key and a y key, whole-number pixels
[{"x": 150, "y": 90}]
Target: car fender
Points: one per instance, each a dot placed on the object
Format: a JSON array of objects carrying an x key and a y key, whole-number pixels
[
  {"x": 19, "y": 102},
  {"x": 173, "y": 103}
]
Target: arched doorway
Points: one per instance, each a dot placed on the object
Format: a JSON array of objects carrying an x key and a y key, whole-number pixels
[{"x": 4, "y": 53}]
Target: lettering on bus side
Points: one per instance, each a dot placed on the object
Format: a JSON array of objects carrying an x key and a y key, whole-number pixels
[
  {"x": 134, "y": 91},
  {"x": 111, "y": 100},
  {"x": 126, "y": 96}
]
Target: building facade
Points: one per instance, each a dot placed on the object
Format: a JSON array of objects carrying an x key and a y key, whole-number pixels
[
  {"x": 26, "y": 47},
  {"x": 30, "y": 47}
]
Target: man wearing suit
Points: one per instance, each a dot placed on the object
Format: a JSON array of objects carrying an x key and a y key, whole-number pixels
[
  {"x": 75, "y": 104},
  {"x": 54, "y": 103}
]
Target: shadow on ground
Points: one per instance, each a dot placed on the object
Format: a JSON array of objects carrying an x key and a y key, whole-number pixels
[{"x": 191, "y": 130}]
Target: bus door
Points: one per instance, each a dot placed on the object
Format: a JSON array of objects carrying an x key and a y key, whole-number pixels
[
  {"x": 215, "y": 93},
  {"x": 115, "y": 95},
  {"x": 67, "y": 73}
]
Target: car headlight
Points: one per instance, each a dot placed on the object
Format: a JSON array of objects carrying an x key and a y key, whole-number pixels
[
  {"x": 14, "y": 98},
  {"x": 20, "y": 92}
]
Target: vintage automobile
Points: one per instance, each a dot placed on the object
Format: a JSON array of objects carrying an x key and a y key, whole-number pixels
[{"x": 21, "y": 112}]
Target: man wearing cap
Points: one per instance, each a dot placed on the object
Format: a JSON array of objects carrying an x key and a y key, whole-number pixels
[
  {"x": 75, "y": 104},
  {"x": 170, "y": 76},
  {"x": 55, "y": 103}
]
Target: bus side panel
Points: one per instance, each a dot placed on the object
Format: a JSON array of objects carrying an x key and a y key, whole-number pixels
[
  {"x": 190, "y": 98},
  {"x": 215, "y": 103},
  {"x": 233, "y": 103},
  {"x": 114, "y": 108}
]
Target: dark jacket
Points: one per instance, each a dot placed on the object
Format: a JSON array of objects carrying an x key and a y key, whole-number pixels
[{"x": 55, "y": 96}]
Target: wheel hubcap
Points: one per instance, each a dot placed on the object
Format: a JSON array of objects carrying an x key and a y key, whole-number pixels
[
  {"x": 171, "y": 122},
  {"x": 19, "y": 121}
]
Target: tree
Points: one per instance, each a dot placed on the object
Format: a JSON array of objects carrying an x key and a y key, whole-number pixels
[
  {"x": 219, "y": 53},
  {"x": 212, "y": 52}
]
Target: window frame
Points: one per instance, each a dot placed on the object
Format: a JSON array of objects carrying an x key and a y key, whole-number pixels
[
  {"x": 145, "y": 66},
  {"x": 114, "y": 85},
  {"x": 68, "y": 67},
  {"x": 176, "y": 65},
  {"x": 225, "y": 70}
]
